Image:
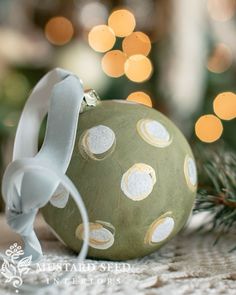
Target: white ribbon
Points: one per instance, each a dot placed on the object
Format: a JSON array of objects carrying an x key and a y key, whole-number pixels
[{"x": 32, "y": 178}]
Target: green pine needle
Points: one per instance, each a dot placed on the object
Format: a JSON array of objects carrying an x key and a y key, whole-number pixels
[{"x": 217, "y": 187}]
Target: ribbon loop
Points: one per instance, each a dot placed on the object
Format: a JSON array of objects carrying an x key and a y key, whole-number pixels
[{"x": 31, "y": 179}]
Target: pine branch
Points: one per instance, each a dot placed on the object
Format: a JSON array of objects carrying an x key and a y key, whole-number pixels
[{"x": 217, "y": 187}]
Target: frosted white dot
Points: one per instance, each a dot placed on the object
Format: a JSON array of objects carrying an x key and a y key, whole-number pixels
[
  {"x": 154, "y": 132},
  {"x": 97, "y": 142},
  {"x": 100, "y": 139},
  {"x": 190, "y": 172},
  {"x": 137, "y": 183},
  {"x": 103, "y": 236},
  {"x": 99, "y": 236},
  {"x": 157, "y": 130},
  {"x": 60, "y": 197},
  {"x": 163, "y": 229}
]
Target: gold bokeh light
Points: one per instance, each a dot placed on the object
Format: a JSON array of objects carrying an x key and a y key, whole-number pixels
[
  {"x": 59, "y": 30},
  {"x": 221, "y": 10},
  {"x": 101, "y": 38},
  {"x": 140, "y": 97},
  {"x": 225, "y": 105},
  {"x": 113, "y": 63},
  {"x": 138, "y": 68},
  {"x": 122, "y": 21},
  {"x": 208, "y": 128},
  {"x": 220, "y": 60},
  {"x": 136, "y": 43}
]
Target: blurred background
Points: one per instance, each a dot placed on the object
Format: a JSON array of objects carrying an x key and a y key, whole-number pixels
[{"x": 176, "y": 56}]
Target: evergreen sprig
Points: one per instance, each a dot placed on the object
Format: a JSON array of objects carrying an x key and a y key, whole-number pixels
[{"x": 217, "y": 187}]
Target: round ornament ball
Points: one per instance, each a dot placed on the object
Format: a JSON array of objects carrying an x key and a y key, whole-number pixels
[{"x": 137, "y": 176}]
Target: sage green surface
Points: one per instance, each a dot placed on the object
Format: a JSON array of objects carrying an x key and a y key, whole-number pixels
[{"x": 99, "y": 183}]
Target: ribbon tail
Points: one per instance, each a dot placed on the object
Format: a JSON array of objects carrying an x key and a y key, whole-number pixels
[{"x": 32, "y": 247}]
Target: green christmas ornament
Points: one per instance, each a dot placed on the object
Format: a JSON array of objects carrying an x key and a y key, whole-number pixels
[
  {"x": 136, "y": 174},
  {"x": 133, "y": 168}
]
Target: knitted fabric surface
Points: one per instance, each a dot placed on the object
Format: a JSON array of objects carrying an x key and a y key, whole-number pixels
[{"x": 188, "y": 264}]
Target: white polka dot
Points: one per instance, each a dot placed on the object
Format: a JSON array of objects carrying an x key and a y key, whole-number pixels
[
  {"x": 157, "y": 130},
  {"x": 60, "y": 197},
  {"x": 163, "y": 230},
  {"x": 100, "y": 139},
  {"x": 160, "y": 230},
  {"x": 99, "y": 236},
  {"x": 138, "y": 181},
  {"x": 153, "y": 132},
  {"x": 97, "y": 141},
  {"x": 190, "y": 172}
]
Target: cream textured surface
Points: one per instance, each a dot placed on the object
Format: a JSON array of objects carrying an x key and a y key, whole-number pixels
[{"x": 189, "y": 264}]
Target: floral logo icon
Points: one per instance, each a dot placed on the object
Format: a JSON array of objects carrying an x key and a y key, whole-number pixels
[{"x": 13, "y": 267}]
